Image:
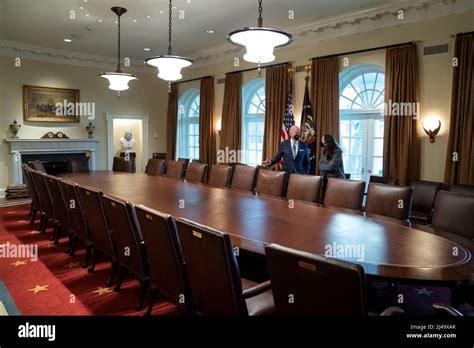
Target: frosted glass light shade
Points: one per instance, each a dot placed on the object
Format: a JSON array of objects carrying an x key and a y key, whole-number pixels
[
  {"x": 118, "y": 81},
  {"x": 259, "y": 42},
  {"x": 169, "y": 67}
]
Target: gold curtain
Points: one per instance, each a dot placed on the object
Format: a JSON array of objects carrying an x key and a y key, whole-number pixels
[
  {"x": 172, "y": 123},
  {"x": 401, "y": 142},
  {"x": 276, "y": 88},
  {"x": 325, "y": 99},
  {"x": 460, "y": 153},
  {"x": 231, "y": 124},
  {"x": 207, "y": 127}
]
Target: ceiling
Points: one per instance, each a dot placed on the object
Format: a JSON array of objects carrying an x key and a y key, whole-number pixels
[{"x": 46, "y": 23}]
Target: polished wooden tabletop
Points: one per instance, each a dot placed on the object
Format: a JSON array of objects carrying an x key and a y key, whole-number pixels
[{"x": 388, "y": 250}]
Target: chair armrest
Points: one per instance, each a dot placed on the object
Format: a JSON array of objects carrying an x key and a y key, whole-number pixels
[
  {"x": 444, "y": 309},
  {"x": 256, "y": 290},
  {"x": 392, "y": 310}
]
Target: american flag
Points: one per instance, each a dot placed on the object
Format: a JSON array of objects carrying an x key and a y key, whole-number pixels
[
  {"x": 308, "y": 129},
  {"x": 288, "y": 117}
]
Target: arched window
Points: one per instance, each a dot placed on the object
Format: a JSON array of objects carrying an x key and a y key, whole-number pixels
[
  {"x": 253, "y": 121},
  {"x": 361, "y": 104},
  {"x": 187, "y": 141}
]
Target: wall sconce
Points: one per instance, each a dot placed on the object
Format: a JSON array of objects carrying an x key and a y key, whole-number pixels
[
  {"x": 431, "y": 127},
  {"x": 218, "y": 127}
]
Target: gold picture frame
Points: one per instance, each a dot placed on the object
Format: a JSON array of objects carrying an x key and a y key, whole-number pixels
[{"x": 39, "y": 104}]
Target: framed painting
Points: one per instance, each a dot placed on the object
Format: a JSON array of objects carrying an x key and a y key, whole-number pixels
[{"x": 45, "y": 104}]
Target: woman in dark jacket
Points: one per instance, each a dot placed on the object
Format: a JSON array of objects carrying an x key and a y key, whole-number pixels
[{"x": 330, "y": 162}]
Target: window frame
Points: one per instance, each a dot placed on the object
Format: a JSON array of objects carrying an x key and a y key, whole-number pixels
[
  {"x": 188, "y": 103},
  {"x": 256, "y": 120}
]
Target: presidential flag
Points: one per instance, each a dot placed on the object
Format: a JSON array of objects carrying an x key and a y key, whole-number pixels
[
  {"x": 288, "y": 117},
  {"x": 308, "y": 129}
]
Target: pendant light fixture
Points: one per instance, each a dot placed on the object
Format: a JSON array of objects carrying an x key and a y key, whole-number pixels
[
  {"x": 259, "y": 41},
  {"x": 169, "y": 66},
  {"x": 118, "y": 80}
]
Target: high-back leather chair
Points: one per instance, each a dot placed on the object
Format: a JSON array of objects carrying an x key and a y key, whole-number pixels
[
  {"x": 270, "y": 182},
  {"x": 312, "y": 280},
  {"x": 390, "y": 201},
  {"x": 466, "y": 189},
  {"x": 37, "y": 165},
  {"x": 214, "y": 276},
  {"x": 175, "y": 169},
  {"x": 131, "y": 251},
  {"x": 76, "y": 217},
  {"x": 243, "y": 178},
  {"x": 59, "y": 206},
  {"x": 167, "y": 269},
  {"x": 185, "y": 161},
  {"x": 220, "y": 175},
  {"x": 77, "y": 165},
  {"x": 387, "y": 180},
  {"x": 304, "y": 187},
  {"x": 91, "y": 204},
  {"x": 155, "y": 167},
  {"x": 424, "y": 197},
  {"x": 196, "y": 172},
  {"x": 45, "y": 199},
  {"x": 344, "y": 194},
  {"x": 159, "y": 155},
  {"x": 33, "y": 193},
  {"x": 122, "y": 165}
]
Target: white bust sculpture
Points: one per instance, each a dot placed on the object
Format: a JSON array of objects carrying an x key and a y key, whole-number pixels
[{"x": 127, "y": 143}]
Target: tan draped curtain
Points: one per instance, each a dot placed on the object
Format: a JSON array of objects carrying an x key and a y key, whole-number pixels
[
  {"x": 207, "y": 127},
  {"x": 231, "y": 123},
  {"x": 325, "y": 99},
  {"x": 172, "y": 123},
  {"x": 461, "y": 141},
  {"x": 401, "y": 149},
  {"x": 276, "y": 88}
]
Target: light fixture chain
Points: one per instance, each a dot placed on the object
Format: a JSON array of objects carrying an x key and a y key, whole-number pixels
[
  {"x": 260, "y": 10},
  {"x": 118, "y": 53},
  {"x": 169, "y": 26}
]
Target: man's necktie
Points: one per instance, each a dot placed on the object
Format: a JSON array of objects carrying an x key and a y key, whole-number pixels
[{"x": 294, "y": 149}]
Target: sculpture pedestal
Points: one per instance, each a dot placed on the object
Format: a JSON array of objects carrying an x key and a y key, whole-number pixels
[{"x": 132, "y": 156}]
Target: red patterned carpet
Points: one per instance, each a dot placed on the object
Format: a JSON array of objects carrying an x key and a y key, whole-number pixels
[{"x": 56, "y": 284}]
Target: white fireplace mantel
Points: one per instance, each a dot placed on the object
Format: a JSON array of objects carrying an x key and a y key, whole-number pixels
[{"x": 19, "y": 147}]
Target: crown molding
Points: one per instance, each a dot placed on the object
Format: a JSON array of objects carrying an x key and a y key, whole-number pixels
[{"x": 356, "y": 22}]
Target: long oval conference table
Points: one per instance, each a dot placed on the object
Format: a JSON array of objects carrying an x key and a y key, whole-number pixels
[{"x": 389, "y": 250}]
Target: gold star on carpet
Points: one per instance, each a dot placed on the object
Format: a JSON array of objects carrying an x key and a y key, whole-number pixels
[
  {"x": 50, "y": 245},
  {"x": 102, "y": 291},
  {"x": 20, "y": 221},
  {"x": 11, "y": 212},
  {"x": 72, "y": 265},
  {"x": 39, "y": 288},
  {"x": 19, "y": 263},
  {"x": 34, "y": 232}
]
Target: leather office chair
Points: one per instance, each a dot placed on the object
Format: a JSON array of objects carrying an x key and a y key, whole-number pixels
[
  {"x": 387, "y": 180},
  {"x": 304, "y": 187},
  {"x": 196, "y": 161},
  {"x": 270, "y": 182},
  {"x": 220, "y": 176},
  {"x": 345, "y": 195},
  {"x": 214, "y": 276},
  {"x": 196, "y": 172},
  {"x": 47, "y": 212},
  {"x": 466, "y": 189},
  {"x": 32, "y": 192},
  {"x": 155, "y": 167},
  {"x": 243, "y": 178},
  {"x": 37, "y": 165},
  {"x": 312, "y": 280},
  {"x": 98, "y": 230},
  {"x": 445, "y": 310},
  {"x": 389, "y": 201},
  {"x": 185, "y": 161},
  {"x": 77, "y": 165},
  {"x": 159, "y": 155},
  {"x": 76, "y": 217},
  {"x": 424, "y": 197},
  {"x": 129, "y": 244},
  {"x": 167, "y": 269},
  {"x": 59, "y": 206},
  {"x": 175, "y": 169},
  {"x": 121, "y": 165}
]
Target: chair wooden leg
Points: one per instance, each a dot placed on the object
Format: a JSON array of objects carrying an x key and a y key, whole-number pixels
[
  {"x": 154, "y": 293},
  {"x": 58, "y": 234},
  {"x": 115, "y": 266},
  {"x": 88, "y": 255},
  {"x": 31, "y": 209},
  {"x": 121, "y": 274},
  {"x": 42, "y": 217},
  {"x": 55, "y": 230},
  {"x": 94, "y": 261},
  {"x": 72, "y": 251},
  {"x": 145, "y": 283},
  {"x": 33, "y": 216},
  {"x": 45, "y": 224}
]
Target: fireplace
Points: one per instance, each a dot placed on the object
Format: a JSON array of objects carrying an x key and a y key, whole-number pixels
[{"x": 54, "y": 163}]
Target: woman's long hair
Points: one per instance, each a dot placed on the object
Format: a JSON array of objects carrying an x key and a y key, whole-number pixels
[{"x": 330, "y": 146}]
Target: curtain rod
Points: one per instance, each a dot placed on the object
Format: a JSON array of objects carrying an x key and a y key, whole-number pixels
[
  {"x": 462, "y": 34},
  {"x": 261, "y": 67},
  {"x": 367, "y": 50},
  {"x": 190, "y": 80}
]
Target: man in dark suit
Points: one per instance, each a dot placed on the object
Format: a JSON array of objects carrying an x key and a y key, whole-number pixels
[{"x": 294, "y": 152}]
